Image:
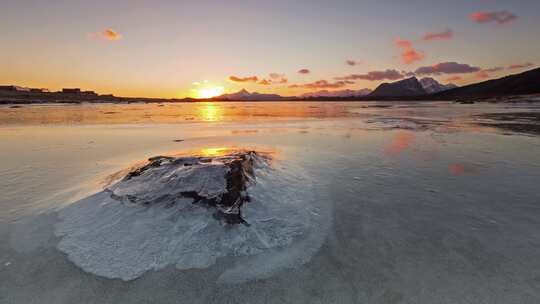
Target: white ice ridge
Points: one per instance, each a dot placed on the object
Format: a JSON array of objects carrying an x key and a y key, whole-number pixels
[{"x": 142, "y": 224}]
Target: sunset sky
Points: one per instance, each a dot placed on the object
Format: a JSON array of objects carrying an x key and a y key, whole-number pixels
[{"x": 195, "y": 48}]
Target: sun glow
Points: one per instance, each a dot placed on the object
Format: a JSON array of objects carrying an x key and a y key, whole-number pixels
[
  {"x": 209, "y": 92},
  {"x": 212, "y": 152}
]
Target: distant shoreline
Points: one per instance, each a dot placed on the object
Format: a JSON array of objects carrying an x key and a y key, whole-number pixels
[
  {"x": 129, "y": 100},
  {"x": 521, "y": 87}
]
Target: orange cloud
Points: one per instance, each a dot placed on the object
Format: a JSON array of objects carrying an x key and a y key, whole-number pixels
[
  {"x": 446, "y": 35},
  {"x": 265, "y": 82},
  {"x": 304, "y": 71},
  {"x": 322, "y": 84},
  {"x": 499, "y": 17},
  {"x": 274, "y": 78},
  {"x": 107, "y": 34},
  {"x": 244, "y": 79},
  {"x": 520, "y": 66},
  {"x": 408, "y": 53},
  {"x": 454, "y": 78}
]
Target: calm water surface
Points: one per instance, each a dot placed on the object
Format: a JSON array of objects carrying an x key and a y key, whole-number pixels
[{"x": 421, "y": 203}]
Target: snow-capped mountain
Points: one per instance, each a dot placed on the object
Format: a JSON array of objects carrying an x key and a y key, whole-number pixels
[
  {"x": 340, "y": 93},
  {"x": 407, "y": 87},
  {"x": 245, "y": 95},
  {"x": 433, "y": 86}
]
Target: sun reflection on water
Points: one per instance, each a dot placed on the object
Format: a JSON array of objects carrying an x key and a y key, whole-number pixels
[
  {"x": 212, "y": 152},
  {"x": 210, "y": 112}
]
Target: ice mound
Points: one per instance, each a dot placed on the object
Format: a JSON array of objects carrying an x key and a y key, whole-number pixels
[
  {"x": 219, "y": 182},
  {"x": 191, "y": 211}
]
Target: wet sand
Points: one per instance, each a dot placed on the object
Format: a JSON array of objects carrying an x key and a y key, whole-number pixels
[{"x": 526, "y": 122}]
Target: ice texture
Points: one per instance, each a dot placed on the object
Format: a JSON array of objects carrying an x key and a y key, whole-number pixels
[{"x": 143, "y": 222}]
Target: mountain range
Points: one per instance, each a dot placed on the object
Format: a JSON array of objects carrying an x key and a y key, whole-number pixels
[
  {"x": 403, "y": 88},
  {"x": 413, "y": 89},
  {"x": 340, "y": 93},
  {"x": 407, "y": 87},
  {"x": 244, "y": 95},
  {"x": 431, "y": 85},
  {"x": 525, "y": 83},
  {"x": 518, "y": 84},
  {"x": 410, "y": 87}
]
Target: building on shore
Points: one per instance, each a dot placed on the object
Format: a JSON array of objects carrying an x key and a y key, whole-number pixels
[
  {"x": 71, "y": 91},
  {"x": 8, "y": 88},
  {"x": 13, "y": 88},
  {"x": 41, "y": 90},
  {"x": 89, "y": 93},
  {"x": 79, "y": 92}
]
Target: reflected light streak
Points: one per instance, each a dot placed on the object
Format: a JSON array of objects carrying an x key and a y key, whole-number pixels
[
  {"x": 210, "y": 112},
  {"x": 212, "y": 152},
  {"x": 400, "y": 142}
]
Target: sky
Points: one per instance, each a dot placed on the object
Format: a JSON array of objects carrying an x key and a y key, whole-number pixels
[{"x": 186, "y": 48}]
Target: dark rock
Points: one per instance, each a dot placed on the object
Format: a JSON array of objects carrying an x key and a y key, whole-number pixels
[
  {"x": 153, "y": 162},
  {"x": 237, "y": 171}
]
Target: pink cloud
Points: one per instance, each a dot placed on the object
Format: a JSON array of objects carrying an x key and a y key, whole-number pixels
[
  {"x": 353, "y": 62},
  {"x": 243, "y": 79},
  {"x": 520, "y": 66},
  {"x": 278, "y": 78},
  {"x": 276, "y": 75},
  {"x": 493, "y": 70},
  {"x": 304, "y": 71},
  {"x": 374, "y": 76},
  {"x": 408, "y": 53},
  {"x": 483, "y": 75},
  {"x": 499, "y": 17},
  {"x": 107, "y": 34},
  {"x": 322, "y": 84},
  {"x": 447, "y": 68},
  {"x": 446, "y": 35}
]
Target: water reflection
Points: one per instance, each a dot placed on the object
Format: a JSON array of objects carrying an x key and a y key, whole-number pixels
[
  {"x": 401, "y": 141},
  {"x": 212, "y": 152},
  {"x": 461, "y": 169},
  {"x": 110, "y": 113},
  {"x": 211, "y": 112}
]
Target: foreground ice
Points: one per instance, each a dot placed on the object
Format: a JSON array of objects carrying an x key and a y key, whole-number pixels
[{"x": 165, "y": 214}]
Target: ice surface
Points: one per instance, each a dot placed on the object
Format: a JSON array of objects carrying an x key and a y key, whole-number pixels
[
  {"x": 110, "y": 236},
  {"x": 421, "y": 215}
]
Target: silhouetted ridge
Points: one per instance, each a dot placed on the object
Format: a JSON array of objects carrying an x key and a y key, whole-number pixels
[
  {"x": 407, "y": 87},
  {"x": 518, "y": 84}
]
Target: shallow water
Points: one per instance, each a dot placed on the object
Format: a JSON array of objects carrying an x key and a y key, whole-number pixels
[{"x": 420, "y": 203}]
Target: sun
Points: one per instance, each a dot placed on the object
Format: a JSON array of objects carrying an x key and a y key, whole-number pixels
[
  {"x": 205, "y": 89},
  {"x": 209, "y": 92}
]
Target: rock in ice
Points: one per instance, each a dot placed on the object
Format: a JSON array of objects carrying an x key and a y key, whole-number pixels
[{"x": 192, "y": 211}]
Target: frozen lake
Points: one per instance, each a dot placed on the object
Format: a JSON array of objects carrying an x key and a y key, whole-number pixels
[{"x": 361, "y": 203}]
